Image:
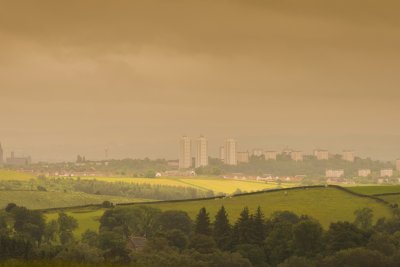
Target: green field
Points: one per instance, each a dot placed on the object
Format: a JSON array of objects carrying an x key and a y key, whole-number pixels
[
  {"x": 324, "y": 204},
  {"x": 88, "y": 218},
  {"x": 392, "y": 199},
  {"x": 45, "y": 200},
  {"x": 6, "y": 175},
  {"x": 376, "y": 189}
]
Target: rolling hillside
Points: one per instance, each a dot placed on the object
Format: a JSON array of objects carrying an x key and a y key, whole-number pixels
[
  {"x": 376, "y": 189},
  {"x": 324, "y": 204},
  {"x": 46, "y": 200}
]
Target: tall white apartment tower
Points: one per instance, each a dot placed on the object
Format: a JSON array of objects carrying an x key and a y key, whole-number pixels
[
  {"x": 230, "y": 152},
  {"x": 185, "y": 153},
  {"x": 201, "y": 152}
]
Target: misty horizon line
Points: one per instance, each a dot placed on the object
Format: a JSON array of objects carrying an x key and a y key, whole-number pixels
[
  {"x": 381, "y": 147},
  {"x": 73, "y": 158}
]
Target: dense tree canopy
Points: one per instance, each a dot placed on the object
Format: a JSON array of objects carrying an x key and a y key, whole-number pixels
[{"x": 171, "y": 238}]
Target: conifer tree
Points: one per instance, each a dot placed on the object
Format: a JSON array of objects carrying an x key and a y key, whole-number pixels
[
  {"x": 203, "y": 225},
  {"x": 222, "y": 230},
  {"x": 242, "y": 231},
  {"x": 259, "y": 233}
]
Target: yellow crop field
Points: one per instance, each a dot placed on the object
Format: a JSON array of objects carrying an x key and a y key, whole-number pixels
[
  {"x": 152, "y": 181},
  {"x": 229, "y": 186},
  {"x": 14, "y": 175},
  {"x": 218, "y": 185}
]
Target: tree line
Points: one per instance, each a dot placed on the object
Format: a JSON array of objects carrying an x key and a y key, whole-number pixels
[{"x": 173, "y": 239}]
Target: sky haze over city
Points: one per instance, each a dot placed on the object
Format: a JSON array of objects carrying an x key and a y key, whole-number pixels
[{"x": 77, "y": 77}]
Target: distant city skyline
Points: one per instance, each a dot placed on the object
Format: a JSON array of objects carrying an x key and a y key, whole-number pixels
[{"x": 59, "y": 152}]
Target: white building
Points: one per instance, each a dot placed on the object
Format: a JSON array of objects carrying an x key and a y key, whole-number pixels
[
  {"x": 321, "y": 154},
  {"x": 270, "y": 155},
  {"x": 185, "y": 153},
  {"x": 348, "y": 155},
  {"x": 230, "y": 152},
  {"x": 242, "y": 157},
  {"x": 201, "y": 152},
  {"x": 364, "y": 172},
  {"x": 387, "y": 173},
  {"x": 257, "y": 152},
  {"x": 334, "y": 173},
  {"x": 296, "y": 155}
]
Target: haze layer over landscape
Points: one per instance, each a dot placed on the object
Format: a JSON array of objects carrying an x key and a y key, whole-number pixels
[{"x": 133, "y": 76}]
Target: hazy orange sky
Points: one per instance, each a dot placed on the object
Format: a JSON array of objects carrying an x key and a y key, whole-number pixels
[{"x": 133, "y": 76}]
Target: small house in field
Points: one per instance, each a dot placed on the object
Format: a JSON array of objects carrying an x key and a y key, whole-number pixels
[{"x": 136, "y": 243}]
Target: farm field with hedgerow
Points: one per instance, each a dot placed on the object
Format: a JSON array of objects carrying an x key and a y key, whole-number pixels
[
  {"x": 324, "y": 204},
  {"x": 48, "y": 200},
  {"x": 375, "y": 189},
  {"x": 215, "y": 184}
]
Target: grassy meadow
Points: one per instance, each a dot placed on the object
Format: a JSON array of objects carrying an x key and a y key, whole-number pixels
[
  {"x": 376, "y": 189},
  {"x": 392, "y": 199},
  {"x": 324, "y": 204},
  {"x": 88, "y": 218},
  {"x": 45, "y": 200}
]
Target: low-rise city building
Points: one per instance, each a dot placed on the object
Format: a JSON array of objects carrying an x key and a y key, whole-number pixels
[
  {"x": 348, "y": 155},
  {"x": 386, "y": 173},
  {"x": 242, "y": 157},
  {"x": 321, "y": 154},
  {"x": 270, "y": 155},
  {"x": 334, "y": 173},
  {"x": 257, "y": 152},
  {"x": 173, "y": 163},
  {"x": 297, "y": 155},
  {"x": 364, "y": 172}
]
